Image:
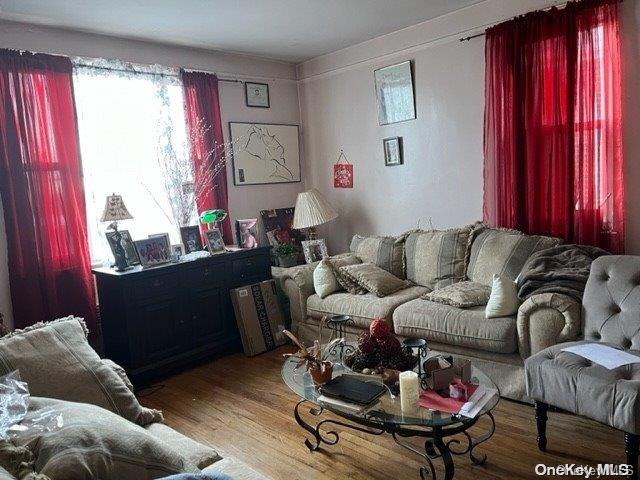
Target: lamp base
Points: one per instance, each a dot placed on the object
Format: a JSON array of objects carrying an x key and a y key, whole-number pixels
[{"x": 312, "y": 233}]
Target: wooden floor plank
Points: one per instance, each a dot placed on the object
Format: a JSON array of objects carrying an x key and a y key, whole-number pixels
[{"x": 241, "y": 407}]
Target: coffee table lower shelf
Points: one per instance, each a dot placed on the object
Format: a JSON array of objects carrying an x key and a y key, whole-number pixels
[{"x": 437, "y": 446}]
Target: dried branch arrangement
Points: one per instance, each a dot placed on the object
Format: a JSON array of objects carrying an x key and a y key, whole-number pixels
[
  {"x": 312, "y": 357},
  {"x": 184, "y": 185}
]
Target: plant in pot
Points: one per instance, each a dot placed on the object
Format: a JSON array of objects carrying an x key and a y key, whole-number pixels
[
  {"x": 314, "y": 358},
  {"x": 286, "y": 255}
]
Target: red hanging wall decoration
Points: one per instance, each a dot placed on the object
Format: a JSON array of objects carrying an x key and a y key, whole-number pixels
[{"x": 342, "y": 172}]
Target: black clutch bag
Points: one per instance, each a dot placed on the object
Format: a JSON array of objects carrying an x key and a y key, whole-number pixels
[{"x": 352, "y": 390}]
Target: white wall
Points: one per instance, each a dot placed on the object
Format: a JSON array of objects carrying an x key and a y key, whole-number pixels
[
  {"x": 441, "y": 179},
  {"x": 245, "y": 201}
]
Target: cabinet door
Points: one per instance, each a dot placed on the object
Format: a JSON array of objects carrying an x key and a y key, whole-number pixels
[
  {"x": 158, "y": 329},
  {"x": 207, "y": 314}
]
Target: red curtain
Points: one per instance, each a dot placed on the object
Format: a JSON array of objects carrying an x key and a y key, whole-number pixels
[
  {"x": 552, "y": 135},
  {"x": 42, "y": 192},
  {"x": 202, "y": 109}
]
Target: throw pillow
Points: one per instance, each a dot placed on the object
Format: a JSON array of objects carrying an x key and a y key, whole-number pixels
[
  {"x": 502, "y": 252},
  {"x": 437, "y": 258},
  {"x": 374, "y": 279},
  {"x": 96, "y": 443},
  {"x": 462, "y": 295},
  {"x": 504, "y": 300},
  {"x": 56, "y": 361},
  {"x": 324, "y": 275},
  {"x": 385, "y": 252}
]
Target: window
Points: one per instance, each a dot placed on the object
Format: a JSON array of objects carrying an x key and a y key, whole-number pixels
[{"x": 126, "y": 120}]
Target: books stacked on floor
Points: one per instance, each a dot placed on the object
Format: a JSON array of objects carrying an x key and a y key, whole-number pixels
[{"x": 350, "y": 394}]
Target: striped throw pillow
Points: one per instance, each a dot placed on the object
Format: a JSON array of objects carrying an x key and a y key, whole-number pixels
[
  {"x": 385, "y": 252},
  {"x": 437, "y": 258},
  {"x": 503, "y": 252}
]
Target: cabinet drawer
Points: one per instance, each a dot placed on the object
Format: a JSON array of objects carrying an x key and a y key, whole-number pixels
[
  {"x": 207, "y": 275},
  {"x": 249, "y": 267},
  {"x": 153, "y": 286}
]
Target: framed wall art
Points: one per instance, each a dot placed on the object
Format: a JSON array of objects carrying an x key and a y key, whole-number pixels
[
  {"x": 256, "y": 94},
  {"x": 394, "y": 93},
  {"x": 392, "y": 151},
  {"x": 264, "y": 153}
]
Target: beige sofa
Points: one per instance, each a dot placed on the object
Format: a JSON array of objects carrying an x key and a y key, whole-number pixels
[
  {"x": 100, "y": 429},
  {"x": 432, "y": 260}
]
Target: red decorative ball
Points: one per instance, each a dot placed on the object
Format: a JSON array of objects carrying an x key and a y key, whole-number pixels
[
  {"x": 390, "y": 345},
  {"x": 379, "y": 329},
  {"x": 366, "y": 343}
]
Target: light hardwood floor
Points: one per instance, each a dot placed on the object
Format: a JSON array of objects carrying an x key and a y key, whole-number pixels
[{"x": 240, "y": 406}]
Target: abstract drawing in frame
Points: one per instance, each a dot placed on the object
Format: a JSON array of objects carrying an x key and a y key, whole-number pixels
[
  {"x": 394, "y": 91},
  {"x": 265, "y": 153}
]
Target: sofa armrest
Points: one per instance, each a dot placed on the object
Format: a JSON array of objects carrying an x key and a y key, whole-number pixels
[
  {"x": 547, "y": 319},
  {"x": 297, "y": 283}
]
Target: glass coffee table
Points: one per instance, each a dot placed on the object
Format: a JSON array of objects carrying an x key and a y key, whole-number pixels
[{"x": 386, "y": 417}]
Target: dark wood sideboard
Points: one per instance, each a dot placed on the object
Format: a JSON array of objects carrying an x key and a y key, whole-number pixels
[{"x": 157, "y": 320}]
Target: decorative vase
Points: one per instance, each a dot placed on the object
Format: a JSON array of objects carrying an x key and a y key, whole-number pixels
[
  {"x": 321, "y": 374},
  {"x": 289, "y": 260}
]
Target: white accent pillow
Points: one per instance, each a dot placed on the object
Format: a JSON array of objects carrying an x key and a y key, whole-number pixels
[
  {"x": 324, "y": 280},
  {"x": 503, "y": 301}
]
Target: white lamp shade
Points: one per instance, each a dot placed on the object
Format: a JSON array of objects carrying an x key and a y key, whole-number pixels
[
  {"x": 115, "y": 210},
  {"x": 312, "y": 209}
]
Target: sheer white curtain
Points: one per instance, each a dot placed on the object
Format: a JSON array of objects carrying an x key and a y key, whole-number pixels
[{"x": 125, "y": 120}]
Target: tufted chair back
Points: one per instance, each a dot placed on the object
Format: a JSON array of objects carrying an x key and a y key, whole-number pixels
[{"x": 611, "y": 303}]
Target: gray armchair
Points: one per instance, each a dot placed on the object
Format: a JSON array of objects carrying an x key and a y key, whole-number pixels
[{"x": 611, "y": 315}]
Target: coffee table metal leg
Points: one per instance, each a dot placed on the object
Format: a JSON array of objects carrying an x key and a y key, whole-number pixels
[
  {"x": 445, "y": 453},
  {"x": 429, "y": 470},
  {"x": 473, "y": 442},
  {"x": 331, "y": 437}
]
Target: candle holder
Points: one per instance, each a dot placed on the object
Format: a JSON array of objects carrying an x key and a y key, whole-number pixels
[
  {"x": 419, "y": 344},
  {"x": 338, "y": 324}
]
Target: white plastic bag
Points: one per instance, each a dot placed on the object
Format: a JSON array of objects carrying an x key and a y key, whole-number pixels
[{"x": 14, "y": 406}]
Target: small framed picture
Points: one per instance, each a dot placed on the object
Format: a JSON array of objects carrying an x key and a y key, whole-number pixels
[
  {"x": 153, "y": 251},
  {"x": 166, "y": 235},
  {"x": 392, "y": 151},
  {"x": 256, "y": 94},
  {"x": 247, "y": 233},
  {"x": 215, "y": 243},
  {"x": 127, "y": 243},
  {"x": 191, "y": 239},
  {"x": 314, "y": 250},
  {"x": 177, "y": 250}
]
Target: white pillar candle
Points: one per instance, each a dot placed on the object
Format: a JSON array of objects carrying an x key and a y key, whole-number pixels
[{"x": 409, "y": 390}]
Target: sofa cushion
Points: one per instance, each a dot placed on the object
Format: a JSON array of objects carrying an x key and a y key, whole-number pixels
[
  {"x": 56, "y": 361},
  {"x": 575, "y": 384},
  {"x": 195, "y": 454},
  {"x": 455, "y": 326},
  {"x": 374, "y": 279},
  {"x": 325, "y": 281},
  {"x": 462, "y": 295},
  {"x": 95, "y": 443},
  {"x": 502, "y": 252},
  {"x": 385, "y": 252},
  {"x": 362, "y": 308},
  {"x": 436, "y": 258}
]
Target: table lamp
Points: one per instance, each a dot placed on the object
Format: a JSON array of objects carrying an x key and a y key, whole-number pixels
[
  {"x": 312, "y": 209},
  {"x": 211, "y": 217},
  {"x": 115, "y": 210}
]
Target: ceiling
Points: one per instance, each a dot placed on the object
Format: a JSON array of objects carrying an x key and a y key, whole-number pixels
[{"x": 288, "y": 30}]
